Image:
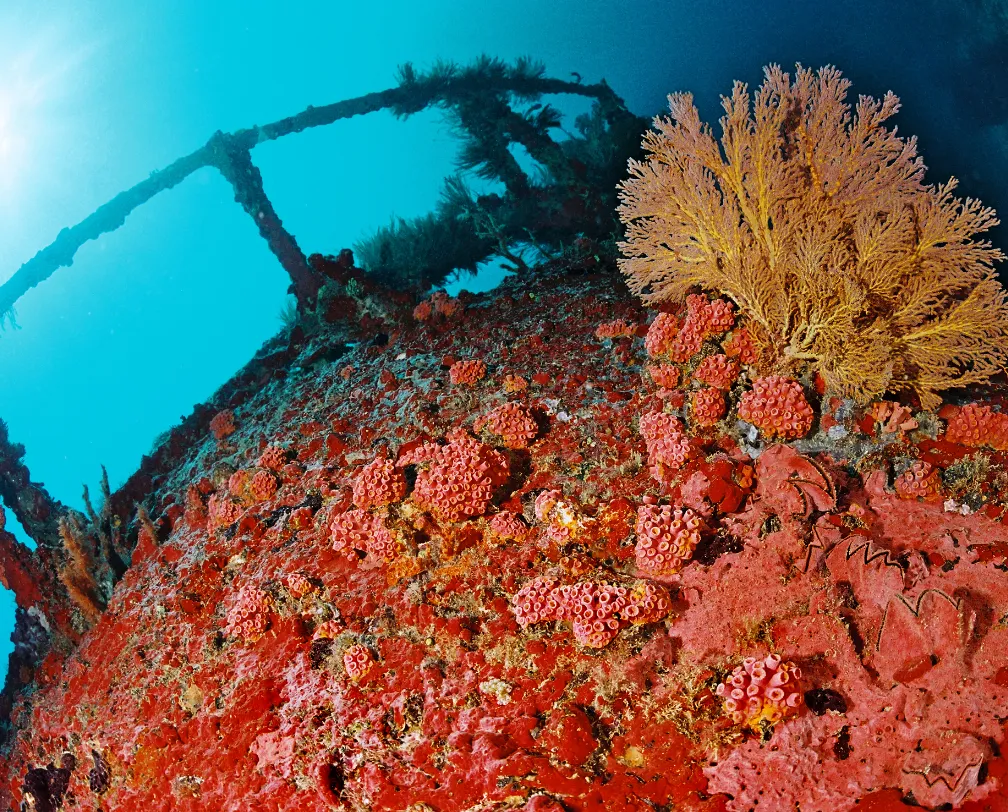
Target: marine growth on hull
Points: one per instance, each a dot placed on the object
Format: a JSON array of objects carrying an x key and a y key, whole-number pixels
[{"x": 708, "y": 517}]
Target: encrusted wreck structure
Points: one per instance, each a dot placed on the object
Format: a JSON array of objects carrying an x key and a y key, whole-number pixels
[{"x": 547, "y": 548}]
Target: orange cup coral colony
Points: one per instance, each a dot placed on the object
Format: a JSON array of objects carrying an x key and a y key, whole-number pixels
[
  {"x": 761, "y": 691},
  {"x": 699, "y": 569}
]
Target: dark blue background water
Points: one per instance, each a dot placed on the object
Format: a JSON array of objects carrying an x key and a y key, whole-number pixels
[{"x": 152, "y": 318}]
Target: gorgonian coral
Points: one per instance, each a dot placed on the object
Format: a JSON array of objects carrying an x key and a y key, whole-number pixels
[{"x": 814, "y": 219}]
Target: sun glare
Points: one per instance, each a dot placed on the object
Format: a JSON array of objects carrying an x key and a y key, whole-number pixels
[
  {"x": 13, "y": 143},
  {"x": 38, "y": 80}
]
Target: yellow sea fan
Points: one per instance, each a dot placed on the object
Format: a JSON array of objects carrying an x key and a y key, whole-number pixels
[{"x": 814, "y": 218}]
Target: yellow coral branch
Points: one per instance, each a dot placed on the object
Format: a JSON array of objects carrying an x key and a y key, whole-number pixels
[{"x": 815, "y": 219}]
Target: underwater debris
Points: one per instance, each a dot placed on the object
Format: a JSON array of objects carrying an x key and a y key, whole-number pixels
[
  {"x": 496, "y": 567},
  {"x": 424, "y": 252}
]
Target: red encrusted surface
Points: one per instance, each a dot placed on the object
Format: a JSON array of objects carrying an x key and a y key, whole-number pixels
[{"x": 246, "y": 663}]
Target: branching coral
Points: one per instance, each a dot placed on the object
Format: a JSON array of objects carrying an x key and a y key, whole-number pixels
[{"x": 814, "y": 218}]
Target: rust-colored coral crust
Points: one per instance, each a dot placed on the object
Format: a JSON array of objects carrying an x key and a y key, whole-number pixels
[{"x": 537, "y": 628}]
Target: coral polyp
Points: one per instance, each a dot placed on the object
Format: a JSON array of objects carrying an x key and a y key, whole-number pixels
[
  {"x": 379, "y": 483},
  {"x": 458, "y": 479},
  {"x": 777, "y": 406},
  {"x": 666, "y": 538},
  {"x": 761, "y": 691}
]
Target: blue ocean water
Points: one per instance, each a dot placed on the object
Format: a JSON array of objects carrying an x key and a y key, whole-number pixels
[{"x": 153, "y": 317}]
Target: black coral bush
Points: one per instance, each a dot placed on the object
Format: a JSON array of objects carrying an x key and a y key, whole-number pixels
[{"x": 814, "y": 218}]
